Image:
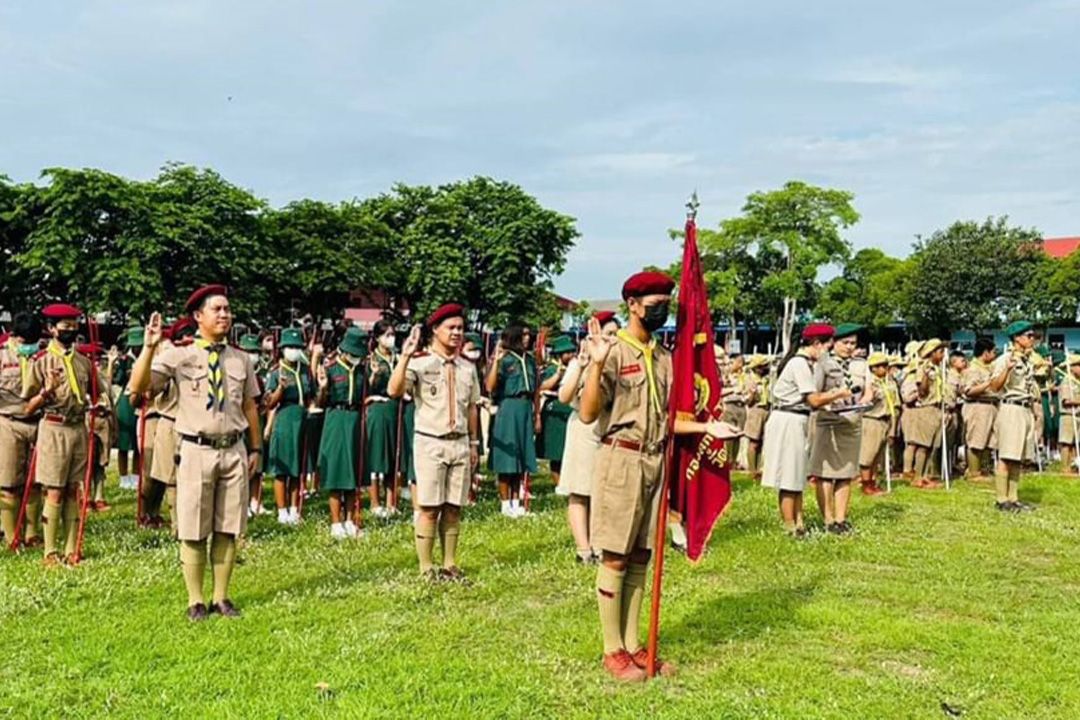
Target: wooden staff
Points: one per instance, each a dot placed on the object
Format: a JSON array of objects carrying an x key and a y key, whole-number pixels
[
  {"x": 658, "y": 566},
  {"x": 90, "y": 451},
  {"x": 16, "y": 542}
]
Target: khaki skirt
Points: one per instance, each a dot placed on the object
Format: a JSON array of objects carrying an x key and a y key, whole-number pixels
[
  {"x": 784, "y": 458},
  {"x": 579, "y": 458},
  {"x": 834, "y": 448}
]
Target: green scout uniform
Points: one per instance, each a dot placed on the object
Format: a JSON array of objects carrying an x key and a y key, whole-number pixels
[
  {"x": 341, "y": 428},
  {"x": 126, "y": 418},
  {"x": 382, "y": 416},
  {"x": 513, "y": 447},
  {"x": 286, "y": 439},
  {"x": 553, "y": 417}
]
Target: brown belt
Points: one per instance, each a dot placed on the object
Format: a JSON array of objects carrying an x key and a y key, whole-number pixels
[
  {"x": 61, "y": 419},
  {"x": 631, "y": 445}
]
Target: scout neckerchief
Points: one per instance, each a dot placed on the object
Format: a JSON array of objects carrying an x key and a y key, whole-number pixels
[
  {"x": 215, "y": 394},
  {"x": 763, "y": 391},
  {"x": 890, "y": 401},
  {"x": 24, "y": 362},
  {"x": 450, "y": 365},
  {"x": 350, "y": 369},
  {"x": 68, "y": 357},
  {"x": 524, "y": 368},
  {"x": 650, "y": 370},
  {"x": 296, "y": 376}
]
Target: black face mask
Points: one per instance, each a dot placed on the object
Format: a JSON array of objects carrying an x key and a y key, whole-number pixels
[
  {"x": 66, "y": 337},
  {"x": 655, "y": 316}
]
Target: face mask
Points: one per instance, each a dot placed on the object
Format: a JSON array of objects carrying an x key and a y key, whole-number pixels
[
  {"x": 255, "y": 357},
  {"x": 387, "y": 342},
  {"x": 655, "y": 316},
  {"x": 66, "y": 337},
  {"x": 351, "y": 359},
  {"x": 28, "y": 349},
  {"x": 293, "y": 355},
  {"x": 473, "y": 355}
]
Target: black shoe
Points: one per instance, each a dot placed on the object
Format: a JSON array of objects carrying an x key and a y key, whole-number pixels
[
  {"x": 1023, "y": 507},
  {"x": 225, "y": 608},
  {"x": 430, "y": 575},
  {"x": 1005, "y": 507},
  {"x": 453, "y": 575},
  {"x": 834, "y": 529},
  {"x": 845, "y": 527},
  {"x": 798, "y": 533},
  {"x": 197, "y": 612},
  {"x": 678, "y": 547}
]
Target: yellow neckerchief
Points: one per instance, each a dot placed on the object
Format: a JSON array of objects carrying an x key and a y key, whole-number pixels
[
  {"x": 352, "y": 376},
  {"x": 24, "y": 362},
  {"x": 524, "y": 367},
  {"x": 390, "y": 362},
  {"x": 296, "y": 375},
  {"x": 56, "y": 350},
  {"x": 890, "y": 401},
  {"x": 650, "y": 370},
  {"x": 763, "y": 390}
]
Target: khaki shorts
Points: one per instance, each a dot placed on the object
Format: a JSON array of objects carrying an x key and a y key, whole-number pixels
[
  {"x": 1015, "y": 430},
  {"x": 755, "y": 423},
  {"x": 163, "y": 467},
  {"x": 875, "y": 432},
  {"x": 211, "y": 491},
  {"x": 145, "y": 436},
  {"x": 625, "y": 499},
  {"x": 16, "y": 439},
  {"x": 442, "y": 470},
  {"x": 924, "y": 427},
  {"x": 979, "y": 425},
  {"x": 1066, "y": 431},
  {"x": 61, "y": 454}
]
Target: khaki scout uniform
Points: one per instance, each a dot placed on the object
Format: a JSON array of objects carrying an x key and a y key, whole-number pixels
[
  {"x": 165, "y": 441},
  {"x": 211, "y": 479},
  {"x": 979, "y": 411},
  {"x": 924, "y": 426},
  {"x": 877, "y": 421},
  {"x": 758, "y": 390},
  {"x": 18, "y": 433},
  {"x": 632, "y": 425},
  {"x": 834, "y": 443},
  {"x": 443, "y": 389},
  {"x": 62, "y": 441},
  {"x": 1069, "y": 394},
  {"x": 1015, "y": 422},
  {"x": 784, "y": 450}
]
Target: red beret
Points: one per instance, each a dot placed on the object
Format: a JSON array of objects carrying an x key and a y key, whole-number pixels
[
  {"x": 647, "y": 283},
  {"x": 604, "y": 317},
  {"x": 89, "y": 348},
  {"x": 818, "y": 331},
  {"x": 201, "y": 294},
  {"x": 449, "y": 310},
  {"x": 181, "y": 324},
  {"x": 61, "y": 311}
]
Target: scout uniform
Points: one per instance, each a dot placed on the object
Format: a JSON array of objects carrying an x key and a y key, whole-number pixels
[
  {"x": 63, "y": 437},
  {"x": 104, "y": 425},
  {"x": 166, "y": 442},
  {"x": 834, "y": 444},
  {"x": 924, "y": 429},
  {"x": 343, "y": 399},
  {"x": 284, "y": 459},
  {"x": 18, "y": 432},
  {"x": 382, "y": 417},
  {"x": 877, "y": 421},
  {"x": 1069, "y": 395},
  {"x": 214, "y": 381},
  {"x": 734, "y": 395},
  {"x": 759, "y": 390},
  {"x": 554, "y": 415},
  {"x": 979, "y": 413},
  {"x": 513, "y": 445},
  {"x": 784, "y": 453},
  {"x": 1015, "y": 422},
  {"x": 126, "y": 419},
  {"x": 954, "y": 407}
]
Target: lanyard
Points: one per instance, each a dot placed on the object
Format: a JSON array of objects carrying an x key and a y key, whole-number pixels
[
  {"x": 24, "y": 362},
  {"x": 650, "y": 371},
  {"x": 299, "y": 385},
  {"x": 352, "y": 376},
  {"x": 524, "y": 369},
  {"x": 69, "y": 369}
]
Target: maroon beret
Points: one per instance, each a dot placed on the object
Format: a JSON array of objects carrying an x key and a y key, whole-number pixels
[
  {"x": 818, "y": 331},
  {"x": 185, "y": 323},
  {"x": 604, "y": 317},
  {"x": 89, "y": 348},
  {"x": 201, "y": 294},
  {"x": 61, "y": 311},
  {"x": 447, "y": 311},
  {"x": 647, "y": 283}
]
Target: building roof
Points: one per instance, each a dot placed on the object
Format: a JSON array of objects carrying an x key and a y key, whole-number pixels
[{"x": 1061, "y": 247}]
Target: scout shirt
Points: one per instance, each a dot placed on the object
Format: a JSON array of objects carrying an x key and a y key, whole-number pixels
[
  {"x": 936, "y": 386},
  {"x": 795, "y": 383},
  {"x": 345, "y": 385},
  {"x": 886, "y": 398},
  {"x": 954, "y": 389},
  {"x": 72, "y": 395},
  {"x": 299, "y": 389},
  {"x": 442, "y": 389},
  {"x": 15, "y": 369},
  {"x": 735, "y": 388},
  {"x": 832, "y": 373},
  {"x": 634, "y": 389},
  {"x": 978, "y": 373},
  {"x": 1020, "y": 386},
  {"x": 165, "y": 402},
  {"x": 517, "y": 376},
  {"x": 380, "y": 368},
  {"x": 758, "y": 389},
  {"x": 187, "y": 366}
]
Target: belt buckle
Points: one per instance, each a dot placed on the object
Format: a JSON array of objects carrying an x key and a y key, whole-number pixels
[{"x": 223, "y": 442}]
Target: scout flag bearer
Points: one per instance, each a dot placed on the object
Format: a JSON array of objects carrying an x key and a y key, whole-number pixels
[
  {"x": 18, "y": 432},
  {"x": 341, "y": 392},
  {"x": 446, "y": 446},
  {"x": 217, "y": 406},
  {"x": 1014, "y": 381}
]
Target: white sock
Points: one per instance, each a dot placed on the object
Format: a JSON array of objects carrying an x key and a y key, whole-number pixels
[
  {"x": 282, "y": 514},
  {"x": 514, "y": 502},
  {"x": 505, "y": 505}
]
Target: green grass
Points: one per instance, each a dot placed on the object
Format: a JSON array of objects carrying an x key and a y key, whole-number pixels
[{"x": 936, "y": 599}]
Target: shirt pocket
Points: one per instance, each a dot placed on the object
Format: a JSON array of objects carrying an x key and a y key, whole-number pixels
[
  {"x": 432, "y": 383},
  {"x": 193, "y": 381},
  {"x": 631, "y": 393},
  {"x": 234, "y": 383}
]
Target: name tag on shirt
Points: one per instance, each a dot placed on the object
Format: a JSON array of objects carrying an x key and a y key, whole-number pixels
[{"x": 629, "y": 370}]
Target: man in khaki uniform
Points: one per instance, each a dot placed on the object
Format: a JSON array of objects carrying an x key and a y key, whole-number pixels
[
  {"x": 1014, "y": 380},
  {"x": 446, "y": 390},
  {"x": 1069, "y": 394},
  {"x": 980, "y": 408},
  {"x": 217, "y": 390},
  {"x": 909, "y": 394},
  {"x": 18, "y": 431},
  {"x": 877, "y": 421},
  {"x": 735, "y": 396},
  {"x": 759, "y": 388},
  {"x": 59, "y": 388},
  {"x": 925, "y": 423},
  {"x": 626, "y": 391}
]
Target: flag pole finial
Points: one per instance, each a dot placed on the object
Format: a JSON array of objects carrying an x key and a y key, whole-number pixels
[{"x": 692, "y": 206}]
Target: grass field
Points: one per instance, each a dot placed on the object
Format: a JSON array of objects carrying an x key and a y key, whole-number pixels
[{"x": 938, "y": 606}]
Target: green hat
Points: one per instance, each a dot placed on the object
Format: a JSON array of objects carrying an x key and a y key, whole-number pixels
[
  {"x": 1018, "y": 328},
  {"x": 134, "y": 336},
  {"x": 475, "y": 339},
  {"x": 847, "y": 330},
  {"x": 250, "y": 343},
  {"x": 563, "y": 344},
  {"x": 291, "y": 337},
  {"x": 353, "y": 342}
]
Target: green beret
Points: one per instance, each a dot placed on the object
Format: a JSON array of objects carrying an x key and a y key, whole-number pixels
[
  {"x": 291, "y": 337},
  {"x": 250, "y": 343},
  {"x": 1018, "y": 328},
  {"x": 134, "y": 336},
  {"x": 847, "y": 330},
  {"x": 563, "y": 344}
]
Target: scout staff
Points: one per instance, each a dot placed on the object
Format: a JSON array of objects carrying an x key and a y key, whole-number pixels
[
  {"x": 834, "y": 442},
  {"x": 877, "y": 422},
  {"x": 18, "y": 432},
  {"x": 554, "y": 415},
  {"x": 384, "y": 420},
  {"x": 582, "y": 444},
  {"x": 511, "y": 380},
  {"x": 735, "y": 397},
  {"x": 626, "y": 393},
  {"x": 758, "y": 388},
  {"x": 58, "y": 389},
  {"x": 1014, "y": 380},
  {"x": 103, "y": 424},
  {"x": 795, "y": 394},
  {"x": 924, "y": 429},
  {"x": 446, "y": 448},
  {"x": 980, "y": 408},
  {"x": 341, "y": 392},
  {"x": 1069, "y": 393},
  {"x": 909, "y": 394},
  {"x": 289, "y": 391},
  {"x": 217, "y": 406}
]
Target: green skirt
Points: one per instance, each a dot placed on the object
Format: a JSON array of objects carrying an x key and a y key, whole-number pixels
[
  {"x": 381, "y": 437},
  {"x": 285, "y": 442},
  {"x": 337, "y": 450},
  {"x": 127, "y": 421},
  {"x": 408, "y": 467},
  {"x": 1051, "y": 417},
  {"x": 513, "y": 445},
  {"x": 552, "y": 440}
]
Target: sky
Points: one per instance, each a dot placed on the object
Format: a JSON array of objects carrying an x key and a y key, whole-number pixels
[{"x": 612, "y": 112}]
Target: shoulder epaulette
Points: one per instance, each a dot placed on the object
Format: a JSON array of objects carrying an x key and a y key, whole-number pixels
[
  {"x": 420, "y": 355},
  {"x": 40, "y": 354}
]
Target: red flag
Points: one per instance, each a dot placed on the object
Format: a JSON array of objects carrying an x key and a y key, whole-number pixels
[{"x": 701, "y": 481}]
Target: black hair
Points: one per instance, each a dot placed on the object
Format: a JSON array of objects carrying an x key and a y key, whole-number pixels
[
  {"x": 513, "y": 337},
  {"x": 27, "y": 326},
  {"x": 381, "y": 327},
  {"x": 983, "y": 345}
]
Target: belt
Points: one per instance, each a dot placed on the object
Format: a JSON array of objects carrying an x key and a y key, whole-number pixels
[
  {"x": 734, "y": 402},
  {"x": 217, "y": 442},
  {"x": 57, "y": 419},
  {"x": 342, "y": 406},
  {"x": 153, "y": 416},
  {"x": 31, "y": 420},
  {"x": 634, "y": 446},
  {"x": 976, "y": 401},
  {"x": 1018, "y": 403},
  {"x": 447, "y": 436},
  {"x": 792, "y": 410}
]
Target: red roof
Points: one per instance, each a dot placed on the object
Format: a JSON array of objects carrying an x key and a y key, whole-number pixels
[{"x": 1061, "y": 247}]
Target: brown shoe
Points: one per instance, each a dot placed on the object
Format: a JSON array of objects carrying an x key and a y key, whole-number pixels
[
  {"x": 225, "y": 608},
  {"x": 928, "y": 484},
  {"x": 641, "y": 659},
  {"x": 54, "y": 559},
  {"x": 197, "y": 612},
  {"x": 918, "y": 483},
  {"x": 102, "y": 506},
  {"x": 871, "y": 488},
  {"x": 33, "y": 542},
  {"x": 453, "y": 574},
  {"x": 621, "y": 666},
  {"x": 71, "y": 560}
]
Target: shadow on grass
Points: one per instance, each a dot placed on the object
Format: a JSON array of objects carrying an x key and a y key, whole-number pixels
[
  {"x": 740, "y": 616},
  {"x": 1031, "y": 494},
  {"x": 882, "y": 512}
]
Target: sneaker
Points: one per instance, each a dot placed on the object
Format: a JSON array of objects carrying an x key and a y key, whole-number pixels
[
  {"x": 621, "y": 666},
  {"x": 1005, "y": 507},
  {"x": 338, "y": 532},
  {"x": 1023, "y": 507},
  {"x": 351, "y": 530},
  {"x": 197, "y": 612},
  {"x": 641, "y": 659},
  {"x": 391, "y": 512},
  {"x": 507, "y": 511},
  {"x": 431, "y": 575},
  {"x": 54, "y": 559},
  {"x": 834, "y": 528},
  {"x": 294, "y": 516},
  {"x": 225, "y": 608},
  {"x": 283, "y": 517},
  {"x": 928, "y": 484}
]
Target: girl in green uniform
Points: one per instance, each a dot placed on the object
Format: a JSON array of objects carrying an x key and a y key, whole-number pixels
[
  {"x": 383, "y": 421},
  {"x": 126, "y": 419},
  {"x": 511, "y": 380},
  {"x": 341, "y": 392},
  {"x": 554, "y": 415},
  {"x": 289, "y": 390},
  {"x": 472, "y": 350},
  {"x": 250, "y": 345}
]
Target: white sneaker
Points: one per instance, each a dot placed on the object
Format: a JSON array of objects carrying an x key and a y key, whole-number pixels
[
  {"x": 391, "y": 512},
  {"x": 338, "y": 531},
  {"x": 351, "y": 530},
  {"x": 283, "y": 517},
  {"x": 521, "y": 512},
  {"x": 506, "y": 509},
  {"x": 379, "y": 512},
  {"x": 406, "y": 493},
  {"x": 294, "y": 516}
]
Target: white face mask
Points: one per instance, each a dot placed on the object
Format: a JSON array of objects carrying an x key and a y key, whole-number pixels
[
  {"x": 473, "y": 355},
  {"x": 351, "y": 359},
  {"x": 387, "y": 342},
  {"x": 255, "y": 357},
  {"x": 293, "y": 355}
]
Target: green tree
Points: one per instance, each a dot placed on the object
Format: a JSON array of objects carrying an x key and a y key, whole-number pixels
[
  {"x": 1052, "y": 293},
  {"x": 16, "y": 290},
  {"x": 971, "y": 275},
  {"x": 869, "y": 291}
]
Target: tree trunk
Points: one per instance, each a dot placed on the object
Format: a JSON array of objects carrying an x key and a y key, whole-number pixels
[{"x": 788, "y": 323}]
